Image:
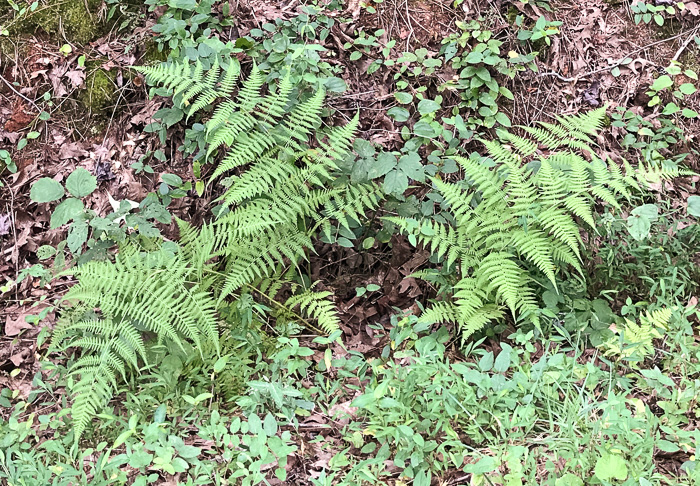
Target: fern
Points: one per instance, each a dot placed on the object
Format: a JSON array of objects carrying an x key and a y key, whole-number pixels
[
  {"x": 524, "y": 214},
  {"x": 635, "y": 340},
  {"x": 115, "y": 306},
  {"x": 280, "y": 193}
]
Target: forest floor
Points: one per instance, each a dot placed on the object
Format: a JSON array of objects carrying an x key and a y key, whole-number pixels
[{"x": 69, "y": 101}]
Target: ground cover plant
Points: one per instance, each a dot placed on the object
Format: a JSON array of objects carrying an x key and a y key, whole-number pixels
[{"x": 346, "y": 243}]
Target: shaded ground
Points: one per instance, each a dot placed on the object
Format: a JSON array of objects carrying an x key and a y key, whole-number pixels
[{"x": 102, "y": 130}]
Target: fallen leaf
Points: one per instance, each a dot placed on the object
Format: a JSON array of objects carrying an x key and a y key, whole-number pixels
[
  {"x": 4, "y": 224},
  {"x": 77, "y": 77},
  {"x": 73, "y": 150},
  {"x": 14, "y": 326}
]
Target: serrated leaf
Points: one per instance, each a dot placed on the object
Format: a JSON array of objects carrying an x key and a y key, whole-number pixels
[
  {"x": 81, "y": 183},
  {"x": 69, "y": 209},
  {"x": 395, "y": 182},
  {"x": 77, "y": 236},
  {"x": 410, "y": 165},
  {"x": 46, "y": 190},
  {"x": 385, "y": 162}
]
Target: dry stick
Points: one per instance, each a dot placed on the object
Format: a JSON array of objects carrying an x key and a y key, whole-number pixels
[
  {"x": 619, "y": 63},
  {"x": 685, "y": 44},
  {"x": 9, "y": 85}
]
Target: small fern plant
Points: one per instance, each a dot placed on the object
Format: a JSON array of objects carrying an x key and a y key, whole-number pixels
[
  {"x": 281, "y": 187},
  {"x": 517, "y": 211},
  {"x": 634, "y": 341},
  {"x": 280, "y": 191},
  {"x": 115, "y": 307}
]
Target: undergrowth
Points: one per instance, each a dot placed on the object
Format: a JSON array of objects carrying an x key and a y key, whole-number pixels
[{"x": 556, "y": 344}]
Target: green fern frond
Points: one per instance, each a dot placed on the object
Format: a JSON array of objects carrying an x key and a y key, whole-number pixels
[{"x": 317, "y": 306}]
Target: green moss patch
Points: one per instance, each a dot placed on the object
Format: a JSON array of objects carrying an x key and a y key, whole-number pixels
[{"x": 76, "y": 19}]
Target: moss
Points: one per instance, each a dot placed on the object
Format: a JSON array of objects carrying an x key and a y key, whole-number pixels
[
  {"x": 76, "y": 19},
  {"x": 152, "y": 54},
  {"x": 99, "y": 93}
]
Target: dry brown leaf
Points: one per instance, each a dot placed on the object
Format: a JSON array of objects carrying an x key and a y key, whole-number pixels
[{"x": 15, "y": 326}]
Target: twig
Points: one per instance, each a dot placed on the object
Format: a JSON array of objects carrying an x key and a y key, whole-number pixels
[
  {"x": 9, "y": 85},
  {"x": 685, "y": 44},
  {"x": 619, "y": 62}
]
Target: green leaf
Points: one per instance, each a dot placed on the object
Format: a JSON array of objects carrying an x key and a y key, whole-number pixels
[
  {"x": 355, "y": 55},
  {"x": 410, "y": 165},
  {"x": 364, "y": 148},
  {"x": 650, "y": 211},
  {"x": 345, "y": 243},
  {"x": 662, "y": 82},
  {"x": 568, "y": 480},
  {"x": 385, "y": 162},
  {"x": 69, "y": 209},
  {"x": 220, "y": 364},
  {"x": 399, "y": 113},
  {"x": 610, "y": 466},
  {"x": 423, "y": 129},
  {"x": 140, "y": 458},
  {"x": 671, "y": 108},
  {"x": 270, "y": 425},
  {"x": 688, "y": 113},
  {"x": 183, "y": 4},
  {"x": 403, "y": 98},
  {"x": 395, "y": 182},
  {"x": 506, "y": 92},
  {"x": 81, "y": 183},
  {"x": 502, "y": 362},
  {"x": 694, "y": 206},
  {"x": 503, "y": 119},
  {"x": 484, "y": 465},
  {"x": 687, "y": 88},
  {"x": 428, "y": 106},
  {"x": 46, "y": 190},
  {"x": 363, "y": 400},
  {"x": 77, "y": 236},
  {"x": 335, "y": 85},
  {"x": 639, "y": 221}
]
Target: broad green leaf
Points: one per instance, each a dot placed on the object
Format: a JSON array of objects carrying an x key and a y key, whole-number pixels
[
  {"x": 385, "y": 162},
  {"x": 364, "y": 148},
  {"x": 335, "y": 85},
  {"x": 395, "y": 182},
  {"x": 403, "y": 97},
  {"x": 694, "y": 206},
  {"x": 69, "y": 209},
  {"x": 81, "y": 183},
  {"x": 410, "y": 165},
  {"x": 610, "y": 466},
  {"x": 77, "y": 235},
  {"x": 662, "y": 82},
  {"x": 423, "y": 129},
  {"x": 428, "y": 106},
  {"x": 687, "y": 88},
  {"x": 671, "y": 108},
  {"x": 399, "y": 114},
  {"x": 46, "y": 190}
]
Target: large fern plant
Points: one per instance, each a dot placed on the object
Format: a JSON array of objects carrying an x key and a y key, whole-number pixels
[
  {"x": 280, "y": 191},
  {"x": 520, "y": 209}
]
